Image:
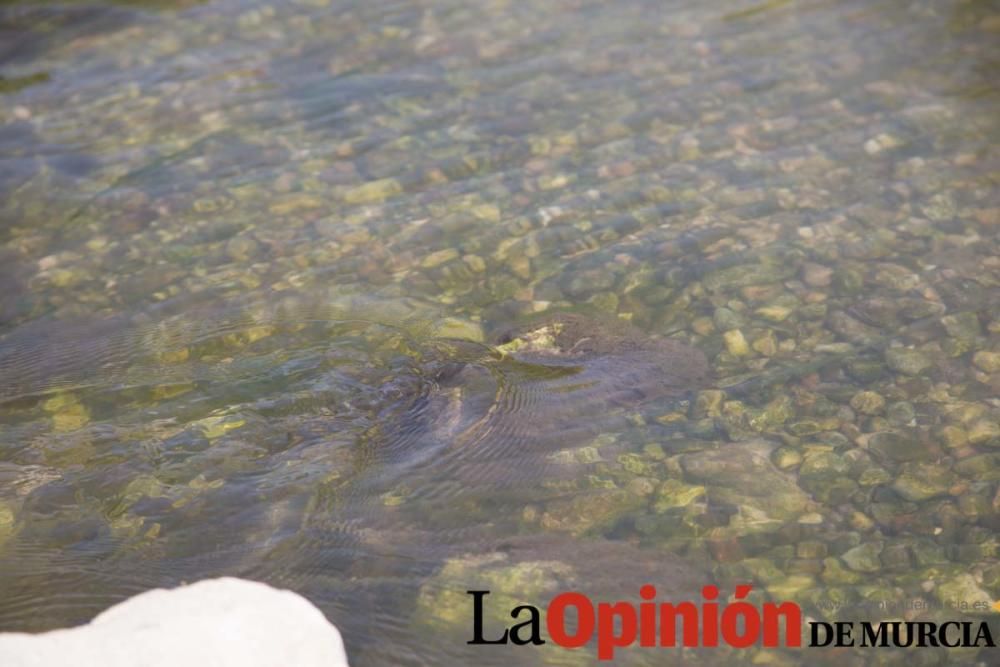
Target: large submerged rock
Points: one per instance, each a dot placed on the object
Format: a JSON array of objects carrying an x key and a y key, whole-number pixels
[{"x": 545, "y": 384}]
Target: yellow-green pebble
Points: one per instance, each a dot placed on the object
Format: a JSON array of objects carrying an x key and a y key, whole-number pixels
[{"x": 736, "y": 343}]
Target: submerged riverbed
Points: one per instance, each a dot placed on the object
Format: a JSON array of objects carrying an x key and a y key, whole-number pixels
[{"x": 257, "y": 261}]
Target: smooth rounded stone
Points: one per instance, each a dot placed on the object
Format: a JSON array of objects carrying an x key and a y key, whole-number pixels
[
  {"x": 736, "y": 343},
  {"x": 743, "y": 475},
  {"x": 373, "y": 191},
  {"x": 881, "y": 142},
  {"x": 901, "y": 413},
  {"x": 851, "y": 328},
  {"x": 865, "y": 370},
  {"x": 848, "y": 417},
  {"x": 726, "y": 319},
  {"x": 488, "y": 212},
  {"x": 219, "y": 622},
  {"x": 982, "y": 467},
  {"x": 241, "y": 248},
  {"x": 873, "y": 476},
  {"x": 985, "y": 432},
  {"x": 955, "y": 347},
  {"x": 975, "y": 505},
  {"x": 964, "y": 326},
  {"x": 590, "y": 512},
  {"x": 777, "y": 411},
  {"x": 820, "y": 464},
  {"x": 786, "y": 458},
  {"x": 830, "y": 490},
  {"x": 68, "y": 414},
  {"x": 520, "y": 266},
  {"x": 838, "y": 441},
  {"x": 813, "y": 426},
  {"x": 774, "y": 313},
  {"x": 988, "y": 362},
  {"x": 746, "y": 275},
  {"x": 439, "y": 257},
  {"x": 813, "y": 311},
  {"x": 896, "y": 556},
  {"x": 703, "y": 326},
  {"x": 766, "y": 344},
  {"x": 922, "y": 481},
  {"x": 66, "y": 277},
  {"x": 861, "y": 521},
  {"x": 898, "y": 278},
  {"x": 811, "y": 549},
  {"x": 654, "y": 451},
  {"x": 895, "y": 446},
  {"x": 926, "y": 552},
  {"x": 918, "y": 309},
  {"x": 893, "y": 514},
  {"x": 878, "y": 311},
  {"x": 849, "y": 280},
  {"x": 674, "y": 493},
  {"x": 965, "y": 412},
  {"x": 864, "y": 557},
  {"x": 868, "y": 402},
  {"x": 475, "y": 263},
  {"x": 816, "y": 275},
  {"x": 952, "y": 437},
  {"x": 964, "y": 594},
  {"x": 907, "y": 362},
  {"x": 454, "y": 327},
  {"x": 875, "y": 425}
]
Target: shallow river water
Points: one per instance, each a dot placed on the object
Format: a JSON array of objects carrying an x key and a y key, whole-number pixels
[{"x": 257, "y": 262}]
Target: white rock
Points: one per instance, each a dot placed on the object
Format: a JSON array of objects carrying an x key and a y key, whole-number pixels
[{"x": 218, "y": 622}]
